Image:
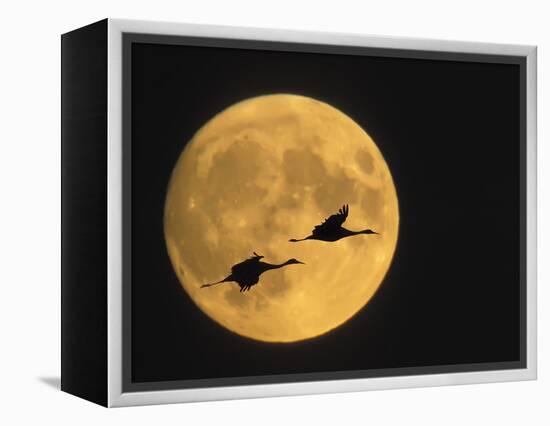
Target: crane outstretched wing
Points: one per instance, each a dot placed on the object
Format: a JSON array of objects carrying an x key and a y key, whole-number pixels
[
  {"x": 333, "y": 222},
  {"x": 244, "y": 265}
]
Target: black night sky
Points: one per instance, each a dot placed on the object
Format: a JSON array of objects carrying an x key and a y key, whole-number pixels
[{"x": 450, "y": 133}]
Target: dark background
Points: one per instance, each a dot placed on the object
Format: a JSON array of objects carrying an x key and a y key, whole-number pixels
[{"x": 450, "y": 133}]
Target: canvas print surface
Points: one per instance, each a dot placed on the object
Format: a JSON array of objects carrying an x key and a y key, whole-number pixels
[{"x": 298, "y": 216}]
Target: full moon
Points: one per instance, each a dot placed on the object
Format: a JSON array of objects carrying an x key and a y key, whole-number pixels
[{"x": 263, "y": 171}]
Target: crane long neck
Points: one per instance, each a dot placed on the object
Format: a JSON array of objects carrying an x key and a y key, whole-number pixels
[
  {"x": 274, "y": 265},
  {"x": 364, "y": 231}
]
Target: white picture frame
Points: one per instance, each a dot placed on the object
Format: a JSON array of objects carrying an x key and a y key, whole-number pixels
[{"x": 116, "y": 395}]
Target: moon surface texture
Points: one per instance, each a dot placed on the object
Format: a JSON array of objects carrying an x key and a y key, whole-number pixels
[{"x": 263, "y": 171}]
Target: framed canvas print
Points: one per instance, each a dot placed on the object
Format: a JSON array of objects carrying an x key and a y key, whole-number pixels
[{"x": 253, "y": 212}]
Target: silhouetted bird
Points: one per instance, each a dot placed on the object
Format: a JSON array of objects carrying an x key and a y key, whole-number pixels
[
  {"x": 331, "y": 229},
  {"x": 247, "y": 273}
]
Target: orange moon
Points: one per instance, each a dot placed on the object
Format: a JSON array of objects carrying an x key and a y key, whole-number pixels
[{"x": 260, "y": 172}]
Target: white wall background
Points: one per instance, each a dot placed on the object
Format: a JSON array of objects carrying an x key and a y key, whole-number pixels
[{"x": 29, "y": 225}]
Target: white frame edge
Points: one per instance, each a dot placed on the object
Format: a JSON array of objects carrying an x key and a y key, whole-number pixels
[{"x": 115, "y": 396}]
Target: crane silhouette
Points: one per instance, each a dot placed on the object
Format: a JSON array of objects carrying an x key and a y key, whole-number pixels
[
  {"x": 247, "y": 273},
  {"x": 332, "y": 230}
]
